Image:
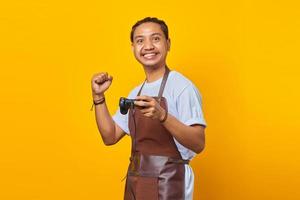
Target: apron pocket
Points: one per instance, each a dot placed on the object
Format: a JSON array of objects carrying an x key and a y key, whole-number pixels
[{"x": 147, "y": 188}]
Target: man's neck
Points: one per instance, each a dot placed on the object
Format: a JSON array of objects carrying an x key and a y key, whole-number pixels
[{"x": 154, "y": 73}]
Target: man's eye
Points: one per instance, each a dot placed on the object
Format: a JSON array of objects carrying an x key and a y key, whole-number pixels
[
  {"x": 156, "y": 38},
  {"x": 139, "y": 41}
]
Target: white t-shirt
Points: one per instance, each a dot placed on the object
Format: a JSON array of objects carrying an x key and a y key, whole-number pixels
[{"x": 184, "y": 103}]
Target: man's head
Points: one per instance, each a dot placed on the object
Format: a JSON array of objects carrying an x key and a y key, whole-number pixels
[
  {"x": 162, "y": 24},
  {"x": 150, "y": 42}
]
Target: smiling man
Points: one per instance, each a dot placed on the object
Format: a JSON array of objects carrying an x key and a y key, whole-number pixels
[{"x": 166, "y": 124}]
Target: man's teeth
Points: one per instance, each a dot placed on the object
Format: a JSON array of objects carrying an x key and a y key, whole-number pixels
[{"x": 149, "y": 55}]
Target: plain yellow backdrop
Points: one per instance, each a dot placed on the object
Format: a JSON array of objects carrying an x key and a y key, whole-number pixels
[{"x": 242, "y": 55}]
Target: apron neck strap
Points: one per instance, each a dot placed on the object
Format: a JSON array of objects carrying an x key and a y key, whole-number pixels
[{"x": 162, "y": 85}]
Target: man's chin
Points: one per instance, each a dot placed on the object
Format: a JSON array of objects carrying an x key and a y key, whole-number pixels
[
  {"x": 153, "y": 66},
  {"x": 150, "y": 64}
]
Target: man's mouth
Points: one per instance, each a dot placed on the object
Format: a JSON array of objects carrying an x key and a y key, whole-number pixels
[{"x": 149, "y": 55}]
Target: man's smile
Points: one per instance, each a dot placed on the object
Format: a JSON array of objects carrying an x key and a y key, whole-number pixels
[{"x": 149, "y": 55}]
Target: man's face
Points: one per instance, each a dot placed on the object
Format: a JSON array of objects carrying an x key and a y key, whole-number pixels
[{"x": 150, "y": 45}]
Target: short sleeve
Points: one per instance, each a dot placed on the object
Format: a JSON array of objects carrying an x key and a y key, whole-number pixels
[
  {"x": 121, "y": 120},
  {"x": 189, "y": 106}
]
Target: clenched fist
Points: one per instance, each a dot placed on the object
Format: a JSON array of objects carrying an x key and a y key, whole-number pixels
[{"x": 100, "y": 83}]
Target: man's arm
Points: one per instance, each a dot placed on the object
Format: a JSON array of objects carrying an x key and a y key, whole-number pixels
[
  {"x": 192, "y": 137},
  {"x": 110, "y": 132}
]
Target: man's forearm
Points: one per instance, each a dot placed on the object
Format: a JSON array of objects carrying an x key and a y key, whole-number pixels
[
  {"x": 192, "y": 137},
  {"x": 105, "y": 123}
]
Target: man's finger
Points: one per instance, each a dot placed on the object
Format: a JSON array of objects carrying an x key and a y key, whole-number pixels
[
  {"x": 146, "y": 110},
  {"x": 99, "y": 79},
  {"x": 148, "y": 115},
  {"x": 110, "y": 77},
  {"x": 144, "y": 98},
  {"x": 142, "y": 103}
]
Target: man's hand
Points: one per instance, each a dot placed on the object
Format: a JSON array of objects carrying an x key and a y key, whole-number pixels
[
  {"x": 149, "y": 107},
  {"x": 100, "y": 83}
]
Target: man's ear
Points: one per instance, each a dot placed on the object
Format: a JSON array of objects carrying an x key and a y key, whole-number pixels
[
  {"x": 132, "y": 48},
  {"x": 169, "y": 44}
]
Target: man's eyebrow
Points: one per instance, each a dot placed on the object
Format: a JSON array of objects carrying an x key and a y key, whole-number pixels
[
  {"x": 141, "y": 36},
  {"x": 156, "y": 34},
  {"x": 138, "y": 36}
]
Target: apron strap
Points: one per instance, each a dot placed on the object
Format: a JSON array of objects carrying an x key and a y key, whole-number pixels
[{"x": 163, "y": 83}]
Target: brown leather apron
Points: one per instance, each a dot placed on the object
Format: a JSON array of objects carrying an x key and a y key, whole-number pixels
[{"x": 156, "y": 170}]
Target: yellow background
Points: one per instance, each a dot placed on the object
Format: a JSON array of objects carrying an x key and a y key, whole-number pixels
[{"x": 242, "y": 55}]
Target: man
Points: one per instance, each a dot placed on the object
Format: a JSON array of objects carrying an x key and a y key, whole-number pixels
[{"x": 166, "y": 124}]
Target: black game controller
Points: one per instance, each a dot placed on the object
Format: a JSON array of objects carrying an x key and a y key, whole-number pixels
[{"x": 125, "y": 104}]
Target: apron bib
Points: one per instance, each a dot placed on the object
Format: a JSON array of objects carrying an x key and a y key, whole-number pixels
[{"x": 156, "y": 170}]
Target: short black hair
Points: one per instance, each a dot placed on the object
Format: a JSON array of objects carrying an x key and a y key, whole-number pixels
[{"x": 162, "y": 24}]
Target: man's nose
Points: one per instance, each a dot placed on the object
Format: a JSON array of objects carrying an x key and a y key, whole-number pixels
[{"x": 148, "y": 45}]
